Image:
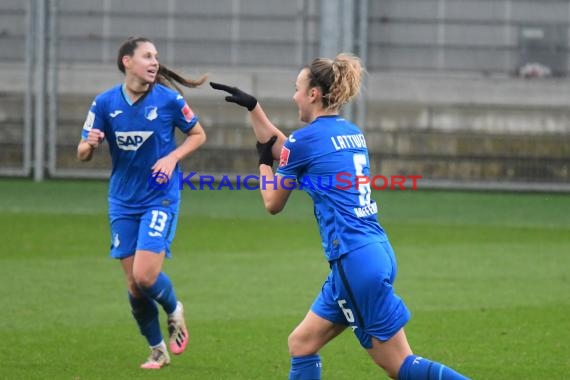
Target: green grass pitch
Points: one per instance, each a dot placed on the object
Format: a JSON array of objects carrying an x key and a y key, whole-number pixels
[{"x": 486, "y": 276}]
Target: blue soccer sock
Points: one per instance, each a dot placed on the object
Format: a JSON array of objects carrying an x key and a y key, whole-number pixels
[
  {"x": 162, "y": 292},
  {"x": 418, "y": 368},
  {"x": 305, "y": 367},
  {"x": 145, "y": 313}
]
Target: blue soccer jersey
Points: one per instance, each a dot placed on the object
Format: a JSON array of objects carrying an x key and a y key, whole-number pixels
[
  {"x": 138, "y": 135},
  {"x": 328, "y": 158}
]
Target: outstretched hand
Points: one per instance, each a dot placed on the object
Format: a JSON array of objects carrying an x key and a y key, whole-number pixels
[
  {"x": 237, "y": 96},
  {"x": 264, "y": 151}
]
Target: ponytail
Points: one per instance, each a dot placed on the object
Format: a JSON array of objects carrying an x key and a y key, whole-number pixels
[
  {"x": 169, "y": 78},
  {"x": 338, "y": 79}
]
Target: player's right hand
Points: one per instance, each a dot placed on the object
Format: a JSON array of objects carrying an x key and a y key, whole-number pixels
[
  {"x": 95, "y": 137},
  {"x": 237, "y": 96},
  {"x": 264, "y": 151}
]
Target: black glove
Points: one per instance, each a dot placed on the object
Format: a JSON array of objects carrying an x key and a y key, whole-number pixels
[
  {"x": 264, "y": 151},
  {"x": 237, "y": 96}
]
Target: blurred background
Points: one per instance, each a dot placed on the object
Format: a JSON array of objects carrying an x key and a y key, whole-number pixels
[{"x": 467, "y": 93}]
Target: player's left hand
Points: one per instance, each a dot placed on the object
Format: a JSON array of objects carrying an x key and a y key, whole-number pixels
[
  {"x": 238, "y": 96},
  {"x": 264, "y": 151},
  {"x": 166, "y": 166}
]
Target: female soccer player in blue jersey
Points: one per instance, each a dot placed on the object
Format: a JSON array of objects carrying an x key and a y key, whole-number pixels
[
  {"x": 358, "y": 293},
  {"x": 137, "y": 118}
]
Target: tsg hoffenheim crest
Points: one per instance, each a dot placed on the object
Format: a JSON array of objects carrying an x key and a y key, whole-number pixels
[{"x": 151, "y": 112}]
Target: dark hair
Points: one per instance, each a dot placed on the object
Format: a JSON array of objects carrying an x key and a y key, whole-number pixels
[
  {"x": 165, "y": 76},
  {"x": 338, "y": 79}
]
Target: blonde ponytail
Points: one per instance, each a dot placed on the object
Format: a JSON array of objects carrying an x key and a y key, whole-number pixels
[{"x": 339, "y": 80}]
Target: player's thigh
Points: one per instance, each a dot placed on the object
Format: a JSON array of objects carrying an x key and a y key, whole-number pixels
[
  {"x": 390, "y": 354},
  {"x": 312, "y": 334},
  {"x": 147, "y": 265}
]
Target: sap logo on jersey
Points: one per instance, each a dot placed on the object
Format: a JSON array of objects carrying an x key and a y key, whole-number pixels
[{"x": 132, "y": 140}]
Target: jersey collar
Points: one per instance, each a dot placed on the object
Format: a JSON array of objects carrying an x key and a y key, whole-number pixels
[{"x": 128, "y": 100}]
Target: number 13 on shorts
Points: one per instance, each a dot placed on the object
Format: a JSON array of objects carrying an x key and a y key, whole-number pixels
[{"x": 157, "y": 223}]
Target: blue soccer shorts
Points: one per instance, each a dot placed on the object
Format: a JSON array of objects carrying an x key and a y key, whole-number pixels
[
  {"x": 152, "y": 230},
  {"x": 359, "y": 293}
]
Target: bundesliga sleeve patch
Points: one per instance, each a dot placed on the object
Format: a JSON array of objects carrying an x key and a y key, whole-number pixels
[
  {"x": 89, "y": 121},
  {"x": 187, "y": 112},
  {"x": 284, "y": 156}
]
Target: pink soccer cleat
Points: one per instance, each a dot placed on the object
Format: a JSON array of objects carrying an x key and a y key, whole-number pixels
[
  {"x": 158, "y": 358},
  {"x": 177, "y": 330}
]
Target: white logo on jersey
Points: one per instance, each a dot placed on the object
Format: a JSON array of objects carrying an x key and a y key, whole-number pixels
[
  {"x": 115, "y": 113},
  {"x": 292, "y": 139},
  {"x": 116, "y": 241},
  {"x": 131, "y": 140},
  {"x": 89, "y": 121},
  {"x": 151, "y": 112},
  {"x": 179, "y": 97}
]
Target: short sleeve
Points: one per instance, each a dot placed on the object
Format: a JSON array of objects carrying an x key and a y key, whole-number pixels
[
  {"x": 184, "y": 119},
  {"x": 295, "y": 156},
  {"x": 94, "y": 119}
]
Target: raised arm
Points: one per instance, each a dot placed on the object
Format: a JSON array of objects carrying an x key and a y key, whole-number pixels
[
  {"x": 269, "y": 143},
  {"x": 263, "y": 128}
]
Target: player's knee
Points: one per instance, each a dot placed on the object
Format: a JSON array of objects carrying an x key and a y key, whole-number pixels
[
  {"x": 133, "y": 288},
  {"x": 143, "y": 279},
  {"x": 300, "y": 345},
  {"x": 294, "y": 345}
]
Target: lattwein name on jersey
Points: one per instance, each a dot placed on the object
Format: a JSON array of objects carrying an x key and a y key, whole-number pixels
[{"x": 348, "y": 141}]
